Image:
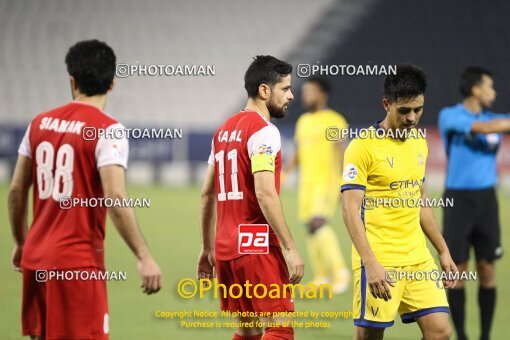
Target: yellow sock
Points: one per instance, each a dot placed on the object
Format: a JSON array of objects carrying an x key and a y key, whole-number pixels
[
  {"x": 331, "y": 255},
  {"x": 314, "y": 253}
]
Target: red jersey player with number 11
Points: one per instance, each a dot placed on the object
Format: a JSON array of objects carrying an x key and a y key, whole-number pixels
[{"x": 243, "y": 183}]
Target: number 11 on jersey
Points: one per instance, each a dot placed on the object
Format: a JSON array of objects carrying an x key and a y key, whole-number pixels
[{"x": 235, "y": 194}]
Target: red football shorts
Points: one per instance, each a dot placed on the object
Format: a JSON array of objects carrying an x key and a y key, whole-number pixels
[
  {"x": 266, "y": 269},
  {"x": 70, "y": 309}
]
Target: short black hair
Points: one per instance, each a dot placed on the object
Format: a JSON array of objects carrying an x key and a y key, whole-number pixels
[
  {"x": 92, "y": 65},
  {"x": 471, "y": 76},
  {"x": 321, "y": 82},
  {"x": 409, "y": 82},
  {"x": 264, "y": 69}
]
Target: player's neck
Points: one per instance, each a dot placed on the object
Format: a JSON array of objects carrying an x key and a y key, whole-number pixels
[
  {"x": 384, "y": 125},
  {"x": 472, "y": 105},
  {"x": 97, "y": 101},
  {"x": 258, "y": 106},
  {"x": 320, "y": 107}
]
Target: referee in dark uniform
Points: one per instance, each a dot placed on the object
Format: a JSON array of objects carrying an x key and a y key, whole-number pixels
[{"x": 472, "y": 135}]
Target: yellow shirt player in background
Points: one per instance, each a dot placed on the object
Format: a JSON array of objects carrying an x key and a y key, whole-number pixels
[
  {"x": 320, "y": 167},
  {"x": 383, "y": 180}
]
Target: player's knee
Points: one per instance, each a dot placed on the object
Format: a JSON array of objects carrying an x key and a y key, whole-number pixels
[
  {"x": 247, "y": 333},
  {"x": 315, "y": 224},
  {"x": 440, "y": 332},
  {"x": 278, "y": 333},
  {"x": 487, "y": 281},
  {"x": 368, "y": 333},
  {"x": 485, "y": 266},
  {"x": 485, "y": 271}
]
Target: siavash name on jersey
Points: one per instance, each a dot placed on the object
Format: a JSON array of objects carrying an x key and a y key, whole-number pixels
[
  {"x": 229, "y": 136},
  {"x": 61, "y": 125}
]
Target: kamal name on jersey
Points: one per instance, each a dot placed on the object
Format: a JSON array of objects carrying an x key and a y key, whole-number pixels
[{"x": 246, "y": 143}]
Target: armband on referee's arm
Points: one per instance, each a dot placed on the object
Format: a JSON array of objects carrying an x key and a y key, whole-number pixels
[{"x": 263, "y": 162}]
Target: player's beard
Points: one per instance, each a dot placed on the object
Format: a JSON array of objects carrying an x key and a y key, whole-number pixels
[{"x": 276, "y": 111}]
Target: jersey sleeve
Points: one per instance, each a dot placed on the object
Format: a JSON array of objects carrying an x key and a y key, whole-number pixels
[
  {"x": 494, "y": 115},
  {"x": 110, "y": 150},
  {"x": 263, "y": 146},
  {"x": 450, "y": 121},
  {"x": 25, "y": 149},
  {"x": 493, "y": 138},
  {"x": 340, "y": 122},
  {"x": 356, "y": 166},
  {"x": 210, "y": 161}
]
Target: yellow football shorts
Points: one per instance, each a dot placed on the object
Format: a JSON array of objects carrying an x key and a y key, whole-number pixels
[
  {"x": 317, "y": 201},
  {"x": 415, "y": 294}
]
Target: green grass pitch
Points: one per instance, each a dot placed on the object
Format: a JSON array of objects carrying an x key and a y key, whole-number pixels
[{"x": 171, "y": 227}]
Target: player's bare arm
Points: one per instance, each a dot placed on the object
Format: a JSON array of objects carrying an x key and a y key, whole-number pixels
[
  {"x": 124, "y": 219},
  {"x": 375, "y": 272},
  {"x": 18, "y": 207},
  {"x": 206, "y": 260},
  {"x": 491, "y": 126},
  {"x": 271, "y": 207},
  {"x": 431, "y": 230}
]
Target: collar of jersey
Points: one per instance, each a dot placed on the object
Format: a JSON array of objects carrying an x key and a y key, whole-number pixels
[
  {"x": 87, "y": 104},
  {"x": 377, "y": 126},
  {"x": 463, "y": 108},
  {"x": 260, "y": 114}
]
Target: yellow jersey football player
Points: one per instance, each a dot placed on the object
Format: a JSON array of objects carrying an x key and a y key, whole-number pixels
[
  {"x": 390, "y": 258},
  {"x": 320, "y": 168}
]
